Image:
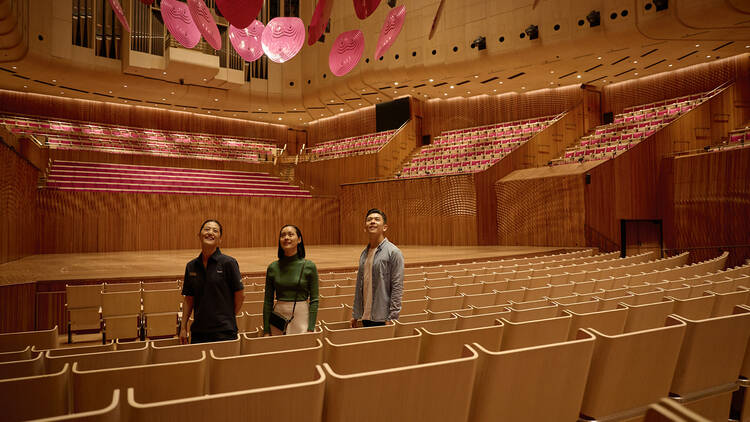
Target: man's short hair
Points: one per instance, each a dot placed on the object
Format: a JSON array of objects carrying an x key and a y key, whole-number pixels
[{"x": 377, "y": 211}]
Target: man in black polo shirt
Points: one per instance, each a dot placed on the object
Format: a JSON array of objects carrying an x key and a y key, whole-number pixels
[{"x": 213, "y": 287}]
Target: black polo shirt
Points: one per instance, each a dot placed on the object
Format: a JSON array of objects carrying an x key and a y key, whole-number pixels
[{"x": 212, "y": 289}]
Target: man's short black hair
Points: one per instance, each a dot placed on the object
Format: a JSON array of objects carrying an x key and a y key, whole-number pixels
[
  {"x": 377, "y": 211},
  {"x": 221, "y": 229}
]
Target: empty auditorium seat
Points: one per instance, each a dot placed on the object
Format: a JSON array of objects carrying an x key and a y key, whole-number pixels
[
  {"x": 34, "y": 397},
  {"x": 83, "y": 304},
  {"x": 42, "y": 339},
  {"x": 250, "y": 345},
  {"x": 373, "y": 355},
  {"x": 121, "y": 314},
  {"x": 183, "y": 352}
]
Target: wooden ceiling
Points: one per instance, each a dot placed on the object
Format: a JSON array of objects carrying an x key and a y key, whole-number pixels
[{"x": 633, "y": 39}]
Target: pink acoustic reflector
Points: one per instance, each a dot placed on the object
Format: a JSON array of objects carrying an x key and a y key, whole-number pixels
[
  {"x": 246, "y": 42},
  {"x": 205, "y": 22},
  {"x": 346, "y": 52},
  {"x": 319, "y": 20},
  {"x": 283, "y": 38},
  {"x": 120, "y": 14},
  {"x": 391, "y": 28},
  {"x": 180, "y": 24},
  {"x": 240, "y": 13},
  {"x": 364, "y": 8}
]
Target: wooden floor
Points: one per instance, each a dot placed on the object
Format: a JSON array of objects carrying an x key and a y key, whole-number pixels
[{"x": 251, "y": 260}]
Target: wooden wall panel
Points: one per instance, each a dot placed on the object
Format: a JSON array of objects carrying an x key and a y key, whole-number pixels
[
  {"x": 18, "y": 180},
  {"x": 326, "y": 176},
  {"x": 355, "y": 123},
  {"x": 541, "y": 211},
  {"x": 98, "y": 222},
  {"x": 130, "y": 115},
  {"x": 456, "y": 113},
  {"x": 536, "y": 152},
  {"x": 709, "y": 204},
  {"x": 677, "y": 83},
  {"x": 391, "y": 157},
  {"x": 17, "y": 307},
  {"x": 426, "y": 211}
]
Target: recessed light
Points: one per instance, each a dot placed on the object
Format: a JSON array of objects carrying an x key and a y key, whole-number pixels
[
  {"x": 445, "y": 93},
  {"x": 14, "y": 68},
  {"x": 341, "y": 109},
  {"x": 432, "y": 80},
  {"x": 294, "y": 109},
  {"x": 216, "y": 99},
  {"x": 25, "y": 86},
  {"x": 599, "y": 58},
  {"x": 279, "y": 118},
  {"x": 636, "y": 73},
  {"x": 110, "y": 91},
  {"x": 395, "y": 83},
  {"x": 476, "y": 76},
  {"x": 494, "y": 90},
  {"x": 321, "y": 114},
  {"x": 164, "y": 73},
  {"x": 451, "y": 86},
  {"x": 551, "y": 83},
  {"x": 359, "y": 103},
  {"x": 697, "y": 45},
  {"x": 670, "y": 65},
  {"x": 747, "y": 46},
  {"x": 260, "y": 109},
  {"x": 54, "y": 80},
  {"x": 501, "y": 82},
  {"x": 62, "y": 93},
  {"x": 331, "y": 100},
  {"x": 578, "y": 76},
  {"x": 234, "y": 114},
  {"x": 635, "y": 61},
  {"x": 164, "y": 99},
  {"x": 378, "y": 98},
  {"x": 708, "y": 57},
  {"x": 209, "y": 111},
  {"x": 523, "y": 87},
  {"x": 125, "y": 101},
  {"x": 172, "y": 92},
  {"x": 468, "y": 92},
  {"x": 204, "y": 79},
  {"x": 395, "y": 92},
  {"x": 604, "y": 80},
  {"x": 124, "y": 86},
  {"x": 551, "y": 71}
]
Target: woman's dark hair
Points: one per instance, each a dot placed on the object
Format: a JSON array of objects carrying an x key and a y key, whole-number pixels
[
  {"x": 221, "y": 229},
  {"x": 300, "y": 247}
]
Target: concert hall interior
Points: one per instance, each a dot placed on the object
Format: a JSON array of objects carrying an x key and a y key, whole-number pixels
[{"x": 568, "y": 183}]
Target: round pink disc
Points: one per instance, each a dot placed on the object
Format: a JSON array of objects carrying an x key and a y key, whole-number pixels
[
  {"x": 391, "y": 28},
  {"x": 240, "y": 13},
  {"x": 346, "y": 52},
  {"x": 180, "y": 24},
  {"x": 205, "y": 22},
  {"x": 365, "y": 8},
  {"x": 283, "y": 38},
  {"x": 120, "y": 14},
  {"x": 319, "y": 21},
  {"x": 246, "y": 42}
]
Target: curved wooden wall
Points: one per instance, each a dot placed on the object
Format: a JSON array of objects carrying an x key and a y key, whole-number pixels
[
  {"x": 457, "y": 113},
  {"x": 135, "y": 116},
  {"x": 71, "y": 222},
  {"x": 344, "y": 125},
  {"x": 18, "y": 179},
  {"x": 707, "y": 204},
  {"x": 425, "y": 211}
]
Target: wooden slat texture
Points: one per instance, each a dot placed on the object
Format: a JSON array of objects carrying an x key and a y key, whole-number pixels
[
  {"x": 17, "y": 307},
  {"x": 129, "y": 115},
  {"x": 18, "y": 179},
  {"x": 427, "y": 211},
  {"x": 456, "y": 113},
  {"x": 99, "y": 222},
  {"x": 537, "y": 151},
  {"x": 710, "y": 205},
  {"x": 356, "y": 123}
]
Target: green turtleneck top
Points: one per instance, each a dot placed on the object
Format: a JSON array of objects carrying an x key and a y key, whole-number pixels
[{"x": 282, "y": 277}]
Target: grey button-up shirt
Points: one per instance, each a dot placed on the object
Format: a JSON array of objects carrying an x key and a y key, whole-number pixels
[{"x": 387, "y": 283}]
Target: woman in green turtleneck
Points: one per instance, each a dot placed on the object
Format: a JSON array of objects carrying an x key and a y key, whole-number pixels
[{"x": 283, "y": 279}]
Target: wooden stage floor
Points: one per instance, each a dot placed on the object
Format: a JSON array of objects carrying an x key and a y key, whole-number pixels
[{"x": 100, "y": 266}]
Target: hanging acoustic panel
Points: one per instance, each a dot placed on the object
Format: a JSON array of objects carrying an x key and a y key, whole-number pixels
[
  {"x": 319, "y": 21},
  {"x": 391, "y": 28},
  {"x": 365, "y": 8},
  {"x": 346, "y": 52},
  {"x": 283, "y": 38},
  {"x": 119, "y": 13},
  {"x": 240, "y": 13},
  {"x": 180, "y": 24},
  {"x": 205, "y": 22},
  {"x": 246, "y": 42}
]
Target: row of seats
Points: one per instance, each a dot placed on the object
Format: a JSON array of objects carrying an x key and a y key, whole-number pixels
[
  {"x": 354, "y": 145},
  {"x": 124, "y": 310},
  {"x": 108, "y": 177},
  {"x": 472, "y": 150},
  {"x": 629, "y": 128},
  {"x": 131, "y": 140},
  {"x": 545, "y": 366}
]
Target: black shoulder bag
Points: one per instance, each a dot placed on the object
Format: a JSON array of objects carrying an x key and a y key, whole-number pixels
[{"x": 280, "y": 322}]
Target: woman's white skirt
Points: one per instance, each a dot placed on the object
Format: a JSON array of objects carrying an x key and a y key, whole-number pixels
[{"x": 301, "y": 316}]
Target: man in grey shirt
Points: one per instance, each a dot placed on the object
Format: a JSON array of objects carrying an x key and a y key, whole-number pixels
[{"x": 380, "y": 279}]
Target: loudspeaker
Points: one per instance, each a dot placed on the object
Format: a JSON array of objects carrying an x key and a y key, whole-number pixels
[
  {"x": 425, "y": 139},
  {"x": 608, "y": 118},
  {"x": 588, "y": 178}
]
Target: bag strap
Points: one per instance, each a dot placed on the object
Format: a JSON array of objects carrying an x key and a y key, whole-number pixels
[{"x": 299, "y": 282}]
